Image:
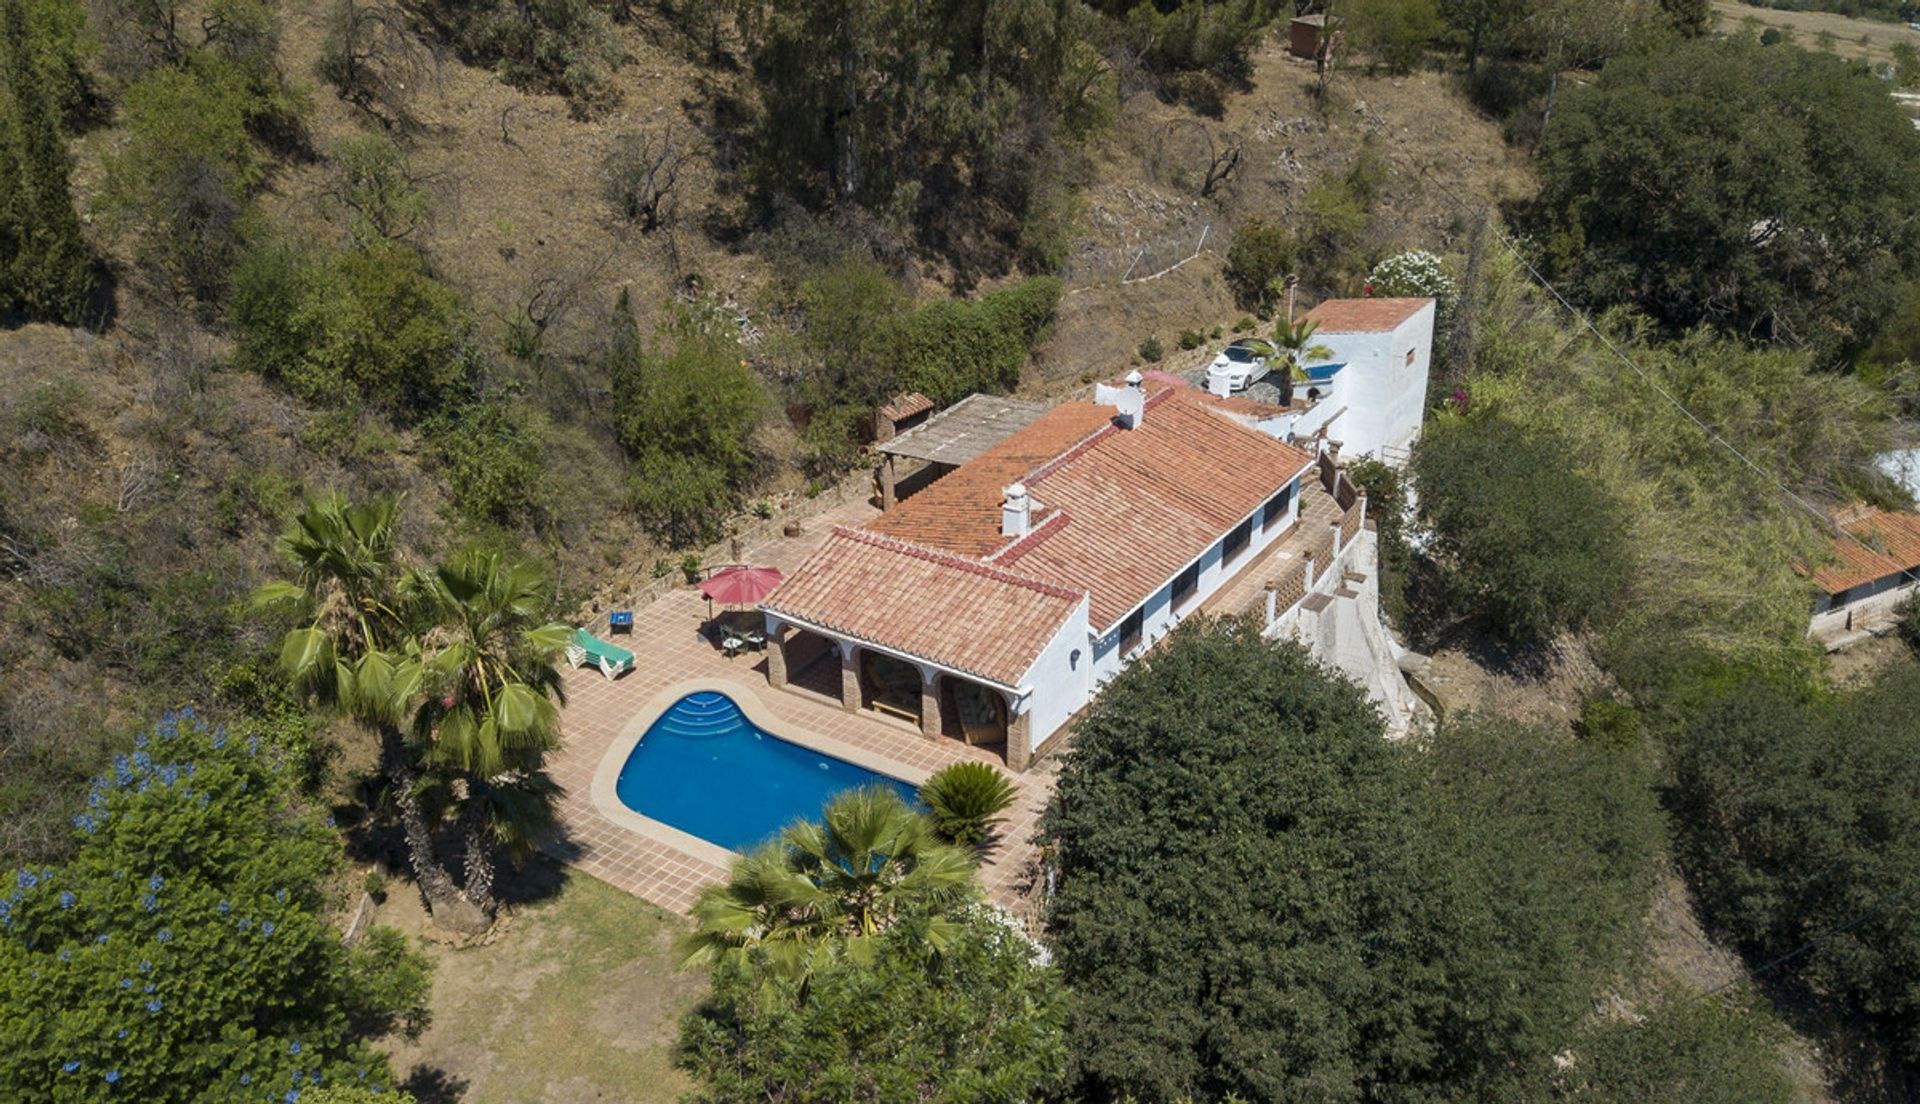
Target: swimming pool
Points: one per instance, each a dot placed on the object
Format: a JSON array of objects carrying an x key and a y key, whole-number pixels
[{"x": 705, "y": 769}]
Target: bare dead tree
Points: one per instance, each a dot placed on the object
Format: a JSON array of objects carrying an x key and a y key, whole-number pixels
[
  {"x": 1224, "y": 164},
  {"x": 638, "y": 175},
  {"x": 375, "y": 61},
  {"x": 549, "y": 299}
]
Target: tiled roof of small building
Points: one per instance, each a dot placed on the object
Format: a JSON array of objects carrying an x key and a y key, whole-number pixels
[
  {"x": 1879, "y": 543},
  {"x": 957, "y": 612},
  {"x": 905, "y": 405},
  {"x": 1337, "y": 316}
]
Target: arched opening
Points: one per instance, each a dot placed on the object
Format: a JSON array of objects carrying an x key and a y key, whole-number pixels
[
  {"x": 890, "y": 686},
  {"x": 813, "y": 663},
  {"x": 979, "y": 711}
]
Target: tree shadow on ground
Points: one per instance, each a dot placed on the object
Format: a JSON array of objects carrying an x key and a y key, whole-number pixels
[{"x": 432, "y": 1085}]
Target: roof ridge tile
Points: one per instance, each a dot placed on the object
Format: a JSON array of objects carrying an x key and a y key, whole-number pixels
[{"x": 949, "y": 559}]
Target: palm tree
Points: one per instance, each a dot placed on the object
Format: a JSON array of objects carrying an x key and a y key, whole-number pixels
[
  {"x": 1295, "y": 340},
  {"x": 830, "y": 887},
  {"x": 355, "y": 654},
  {"x": 491, "y": 716}
]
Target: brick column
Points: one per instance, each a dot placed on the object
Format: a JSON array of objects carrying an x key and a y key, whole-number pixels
[
  {"x": 930, "y": 704},
  {"x": 1019, "y": 740},
  {"x": 849, "y": 677},
  {"x": 777, "y": 656}
]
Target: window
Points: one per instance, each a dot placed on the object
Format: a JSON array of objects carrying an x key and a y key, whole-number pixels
[
  {"x": 1409, "y": 358},
  {"x": 1276, "y": 510},
  {"x": 1184, "y": 584},
  {"x": 1236, "y": 541},
  {"x": 1130, "y": 631}
]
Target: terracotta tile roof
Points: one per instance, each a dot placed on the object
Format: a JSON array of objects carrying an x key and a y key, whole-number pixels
[
  {"x": 1143, "y": 503},
  {"x": 1882, "y": 543},
  {"x": 1363, "y": 315},
  {"x": 905, "y": 406},
  {"x": 960, "y": 511},
  {"x": 1118, "y": 512},
  {"x": 957, "y": 612}
]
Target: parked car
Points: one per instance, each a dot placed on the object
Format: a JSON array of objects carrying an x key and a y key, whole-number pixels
[{"x": 1242, "y": 363}]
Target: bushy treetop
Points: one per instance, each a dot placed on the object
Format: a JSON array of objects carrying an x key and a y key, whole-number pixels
[
  {"x": 185, "y": 946},
  {"x": 1766, "y": 190}
]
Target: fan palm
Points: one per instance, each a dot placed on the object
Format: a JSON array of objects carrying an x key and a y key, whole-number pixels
[
  {"x": 1295, "y": 339},
  {"x": 492, "y": 716},
  {"x": 354, "y": 652},
  {"x": 829, "y": 887}
]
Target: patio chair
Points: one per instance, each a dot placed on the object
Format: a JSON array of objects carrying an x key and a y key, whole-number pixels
[
  {"x": 732, "y": 646},
  {"x": 590, "y": 649}
]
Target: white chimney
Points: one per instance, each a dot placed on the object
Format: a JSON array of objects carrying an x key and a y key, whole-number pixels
[
  {"x": 1016, "y": 511},
  {"x": 1128, "y": 402}
]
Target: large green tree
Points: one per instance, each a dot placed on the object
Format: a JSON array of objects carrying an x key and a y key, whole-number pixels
[
  {"x": 184, "y": 952},
  {"x": 1765, "y": 190},
  {"x": 1240, "y": 876},
  {"x": 1260, "y": 896},
  {"x": 1524, "y": 537},
  {"x": 46, "y": 268},
  {"x": 946, "y": 113}
]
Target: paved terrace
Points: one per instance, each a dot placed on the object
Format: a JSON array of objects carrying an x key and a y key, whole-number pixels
[{"x": 668, "y": 651}]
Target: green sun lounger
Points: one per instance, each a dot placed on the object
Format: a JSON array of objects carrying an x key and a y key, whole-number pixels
[{"x": 590, "y": 649}]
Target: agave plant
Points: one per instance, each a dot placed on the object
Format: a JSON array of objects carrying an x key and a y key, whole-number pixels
[{"x": 966, "y": 800}]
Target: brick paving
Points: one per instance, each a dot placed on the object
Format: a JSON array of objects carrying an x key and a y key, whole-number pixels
[{"x": 669, "y": 650}]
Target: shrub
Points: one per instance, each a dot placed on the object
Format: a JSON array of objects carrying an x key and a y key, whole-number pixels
[
  {"x": 568, "y": 47},
  {"x": 638, "y": 175},
  {"x": 367, "y": 324},
  {"x": 1607, "y": 723},
  {"x": 1529, "y": 541},
  {"x": 1190, "y": 339},
  {"x": 966, "y": 800},
  {"x": 1908, "y": 626},
  {"x": 495, "y": 468},
  {"x": 1151, "y": 350},
  {"x": 192, "y": 905},
  {"x": 187, "y": 170},
  {"x": 1718, "y": 1050},
  {"x": 952, "y": 348},
  {"x": 1395, "y": 33},
  {"x": 1260, "y": 255},
  {"x": 1799, "y": 825},
  {"x": 690, "y": 567}
]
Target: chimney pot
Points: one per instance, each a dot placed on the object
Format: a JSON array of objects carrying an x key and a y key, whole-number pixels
[{"x": 1016, "y": 511}]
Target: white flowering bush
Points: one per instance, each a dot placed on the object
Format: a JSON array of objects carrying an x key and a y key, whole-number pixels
[{"x": 1415, "y": 272}]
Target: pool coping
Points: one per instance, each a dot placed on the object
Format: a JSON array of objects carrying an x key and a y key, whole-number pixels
[{"x": 606, "y": 777}]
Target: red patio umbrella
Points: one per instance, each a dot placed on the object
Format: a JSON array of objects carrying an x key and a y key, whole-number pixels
[{"x": 740, "y": 586}]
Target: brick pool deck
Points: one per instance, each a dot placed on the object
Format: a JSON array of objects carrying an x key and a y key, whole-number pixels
[{"x": 669, "y": 651}]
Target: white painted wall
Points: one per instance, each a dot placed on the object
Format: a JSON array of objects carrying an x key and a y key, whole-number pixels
[
  {"x": 1385, "y": 396},
  {"x": 1062, "y": 678}
]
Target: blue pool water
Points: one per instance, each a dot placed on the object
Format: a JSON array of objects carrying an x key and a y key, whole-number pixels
[{"x": 705, "y": 769}]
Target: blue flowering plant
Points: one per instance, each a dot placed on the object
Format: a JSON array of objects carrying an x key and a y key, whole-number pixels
[{"x": 185, "y": 944}]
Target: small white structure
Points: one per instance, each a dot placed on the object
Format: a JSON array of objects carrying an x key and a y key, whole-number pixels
[
  {"x": 1874, "y": 571},
  {"x": 1376, "y": 379}
]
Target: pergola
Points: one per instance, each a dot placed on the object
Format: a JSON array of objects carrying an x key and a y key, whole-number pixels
[{"x": 954, "y": 436}]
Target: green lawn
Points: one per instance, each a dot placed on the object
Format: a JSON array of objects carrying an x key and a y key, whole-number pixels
[{"x": 580, "y": 1000}]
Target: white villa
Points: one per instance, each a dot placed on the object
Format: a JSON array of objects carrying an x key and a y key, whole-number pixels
[{"x": 1055, "y": 547}]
